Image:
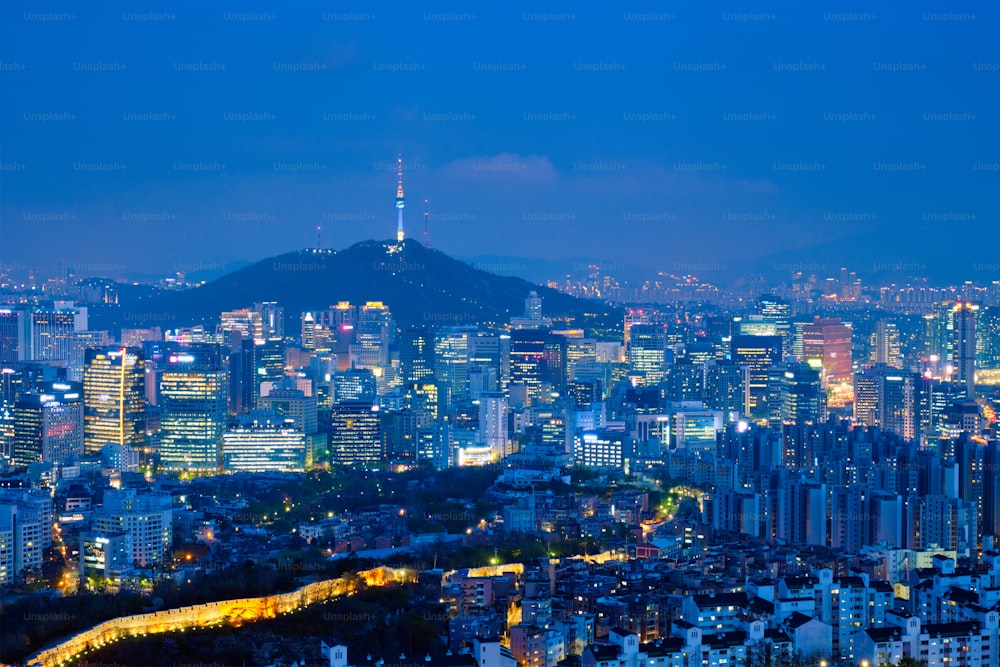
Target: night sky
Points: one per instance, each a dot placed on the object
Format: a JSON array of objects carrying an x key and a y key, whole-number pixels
[{"x": 145, "y": 138}]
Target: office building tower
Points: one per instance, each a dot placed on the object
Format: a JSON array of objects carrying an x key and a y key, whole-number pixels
[
  {"x": 794, "y": 395},
  {"x": 987, "y": 338},
  {"x": 245, "y": 322},
  {"x": 757, "y": 354},
  {"x": 260, "y": 361},
  {"x": 633, "y": 316},
  {"x": 263, "y": 441},
  {"x": 528, "y": 362},
  {"x": 355, "y": 435},
  {"x": 493, "y": 424},
  {"x": 646, "y": 351},
  {"x": 889, "y": 398},
  {"x": 14, "y": 337},
  {"x": 684, "y": 381},
  {"x": 555, "y": 370},
  {"x": 428, "y": 395},
  {"x": 416, "y": 354},
  {"x": 885, "y": 345},
  {"x": 533, "y": 306},
  {"x": 695, "y": 431},
  {"x": 80, "y": 342},
  {"x": 451, "y": 358},
  {"x": 482, "y": 379},
  {"x": 48, "y": 424},
  {"x": 146, "y": 517},
  {"x": 963, "y": 358},
  {"x": 114, "y": 398},
  {"x": 288, "y": 402},
  {"x": 826, "y": 344},
  {"x": 193, "y": 412},
  {"x": 372, "y": 337},
  {"x": 727, "y": 388},
  {"x": 354, "y": 385},
  {"x": 51, "y": 330},
  {"x": 272, "y": 319}
]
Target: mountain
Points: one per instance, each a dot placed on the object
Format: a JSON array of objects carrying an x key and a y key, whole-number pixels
[{"x": 419, "y": 285}]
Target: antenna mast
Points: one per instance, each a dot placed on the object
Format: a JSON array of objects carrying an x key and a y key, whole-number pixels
[{"x": 427, "y": 234}]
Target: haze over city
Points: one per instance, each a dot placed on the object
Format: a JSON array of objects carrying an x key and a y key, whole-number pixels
[{"x": 724, "y": 136}]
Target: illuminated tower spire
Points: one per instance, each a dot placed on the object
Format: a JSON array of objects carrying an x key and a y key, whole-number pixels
[
  {"x": 427, "y": 237},
  {"x": 400, "y": 202}
]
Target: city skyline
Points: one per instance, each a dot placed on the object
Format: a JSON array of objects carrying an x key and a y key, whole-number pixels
[{"x": 728, "y": 140}]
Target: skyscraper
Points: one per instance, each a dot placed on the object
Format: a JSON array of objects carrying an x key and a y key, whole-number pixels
[
  {"x": 886, "y": 345},
  {"x": 647, "y": 348},
  {"x": 493, "y": 424},
  {"x": 757, "y": 354},
  {"x": 527, "y": 361},
  {"x": 114, "y": 398},
  {"x": 51, "y": 330},
  {"x": 416, "y": 354},
  {"x": 963, "y": 354},
  {"x": 889, "y": 398},
  {"x": 451, "y": 358},
  {"x": 372, "y": 336},
  {"x": 193, "y": 408},
  {"x": 826, "y": 345},
  {"x": 13, "y": 336},
  {"x": 355, "y": 435},
  {"x": 48, "y": 424},
  {"x": 794, "y": 394}
]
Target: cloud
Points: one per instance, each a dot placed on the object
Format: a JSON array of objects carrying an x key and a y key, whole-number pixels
[{"x": 504, "y": 167}]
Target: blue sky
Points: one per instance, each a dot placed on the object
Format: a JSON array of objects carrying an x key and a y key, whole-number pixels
[{"x": 137, "y": 138}]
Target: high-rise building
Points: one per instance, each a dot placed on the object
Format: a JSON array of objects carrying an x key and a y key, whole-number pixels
[
  {"x": 272, "y": 319},
  {"x": 889, "y": 398},
  {"x": 527, "y": 361},
  {"x": 885, "y": 345},
  {"x": 51, "y": 330},
  {"x": 80, "y": 342},
  {"x": 354, "y": 385},
  {"x": 416, "y": 354},
  {"x": 372, "y": 337},
  {"x": 493, "y": 424},
  {"x": 291, "y": 403},
  {"x": 193, "y": 411},
  {"x": 987, "y": 338},
  {"x": 114, "y": 398},
  {"x": 14, "y": 337},
  {"x": 451, "y": 358},
  {"x": 355, "y": 435},
  {"x": 245, "y": 322},
  {"x": 963, "y": 357},
  {"x": 826, "y": 344},
  {"x": 757, "y": 354},
  {"x": 259, "y": 361},
  {"x": 727, "y": 388},
  {"x": 263, "y": 441},
  {"x": 794, "y": 394},
  {"x": 647, "y": 348},
  {"x": 48, "y": 424},
  {"x": 144, "y": 516}
]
